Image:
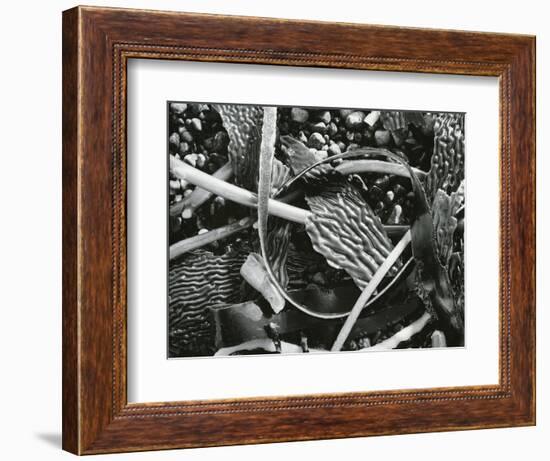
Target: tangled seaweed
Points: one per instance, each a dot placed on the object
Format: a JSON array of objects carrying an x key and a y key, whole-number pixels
[{"x": 370, "y": 256}]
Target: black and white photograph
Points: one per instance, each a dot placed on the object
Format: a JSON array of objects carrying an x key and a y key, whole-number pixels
[{"x": 296, "y": 230}]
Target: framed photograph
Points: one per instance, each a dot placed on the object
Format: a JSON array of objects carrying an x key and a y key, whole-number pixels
[{"x": 281, "y": 230}]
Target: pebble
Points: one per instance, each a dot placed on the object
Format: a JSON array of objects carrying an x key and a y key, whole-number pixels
[
  {"x": 363, "y": 343},
  {"x": 299, "y": 115},
  {"x": 184, "y": 148},
  {"x": 302, "y": 137},
  {"x": 372, "y": 117},
  {"x": 196, "y": 124},
  {"x": 187, "y": 193},
  {"x": 325, "y": 117},
  {"x": 396, "y": 214},
  {"x": 355, "y": 120},
  {"x": 345, "y": 112},
  {"x": 316, "y": 141},
  {"x": 191, "y": 159},
  {"x": 185, "y": 135},
  {"x": 332, "y": 129},
  {"x": 201, "y": 160},
  {"x": 202, "y": 231},
  {"x": 178, "y": 108},
  {"x": 174, "y": 141},
  {"x": 334, "y": 149},
  {"x": 319, "y": 128},
  {"x": 382, "y": 137}
]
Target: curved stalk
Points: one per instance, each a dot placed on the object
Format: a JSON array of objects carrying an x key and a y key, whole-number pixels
[{"x": 377, "y": 166}]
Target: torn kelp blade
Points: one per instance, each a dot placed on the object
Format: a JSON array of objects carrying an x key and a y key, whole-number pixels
[{"x": 345, "y": 230}]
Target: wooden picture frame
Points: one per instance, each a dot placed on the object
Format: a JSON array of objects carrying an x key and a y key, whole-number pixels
[{"x": 97, "y": 43}]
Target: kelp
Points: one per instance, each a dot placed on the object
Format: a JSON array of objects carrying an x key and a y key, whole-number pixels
[
  {"x": 447, "y": 162},
  {"x": 345, "y": 230}
]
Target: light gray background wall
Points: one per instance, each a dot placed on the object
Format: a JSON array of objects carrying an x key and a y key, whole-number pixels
[{"x": 30, "y": 227}]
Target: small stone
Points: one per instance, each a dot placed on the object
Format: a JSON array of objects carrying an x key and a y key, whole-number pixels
[
  {"x": 325, "y": 117},
  {"x": 177, "y": 198},
  {"x": 355, "y": 120},
  {"x": 180, "y": 122},
  {"x": 396, "y": 215},
  {"x": 178, "y": 108},
  {"x": 372, "y": 117},
  {"x": 350, "y": 135},
  {"x": 185, "y": 135},
  {"x": 299, "y": 115},
  {"x": 316, "y": 141},
  {"x": 334, "y": 149},
  {"x": 202, "y": 231},
  {"x": 201, "y": 160},
  {"x": 183, "y": 184},
  {"x": 382, "y": 137},
  {"x": 194, "y": 108},
  {"x": 196, "y": 124},
  {"x": 184, "y": 148},
  {"x": 302, "y": 137},
  {"x": 363, "y": 343},
  {"x": 208, "y": 144},
  {"x": 191, "y": 159},
  {"x": 332, "y": 129},
  {"x": 390, "y": 196},
  {"x": 319, "y": 128},
  {"x": 174, "y": 141},
  {"x": 345, "y": 112},
  {"x": 342, "y": 146},
  {"x": 204, "y": 107}
]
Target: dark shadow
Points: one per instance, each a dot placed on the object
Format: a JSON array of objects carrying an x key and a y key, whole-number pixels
[{"x": 51, "y": 438}]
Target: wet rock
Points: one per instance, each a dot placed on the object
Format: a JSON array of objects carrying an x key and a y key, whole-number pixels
[
  {"x": 184, "y": 147},
  {"x": 185, "y": 135},
  {"x": 382, "y": 137},
  {"x": 355, "y": 120},
  {"x": 334, "y": 149},
  {"x": 325, "y": 117},
  {"x": 332, "y": 129},
  {"x": 178, "y": 108},
  {"x": 191, "y": 159},
  {"x": 196, "y": 124},
  {"x": 316, "y": 141},
  {"x": 372, "y": 117},
  {"x": 174, "y": 141},
  {"x": 319, "y": 128},
  {"x": 299, "y": 115},
  {"x": 201, "y": 160},
  {"x": 345, "y": 112}
]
